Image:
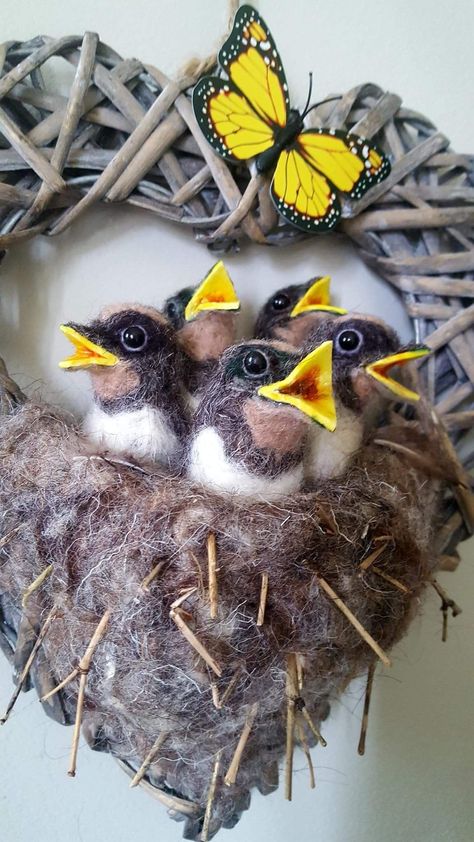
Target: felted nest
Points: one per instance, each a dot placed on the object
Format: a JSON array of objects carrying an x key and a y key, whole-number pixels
[{"x": 124, "y": 543}]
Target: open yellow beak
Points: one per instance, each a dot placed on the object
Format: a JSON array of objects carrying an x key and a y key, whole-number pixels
[
  {"x": 317, "y": 297},
  {"x": 308, "y": 387},
  {"x": 87, "y": 353},
  {"x": 215, "y": 293},
  {"x": 380, "y": 370}
]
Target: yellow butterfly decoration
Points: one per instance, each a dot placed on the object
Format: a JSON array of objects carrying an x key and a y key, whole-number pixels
[{"x": 248, "y": 116}]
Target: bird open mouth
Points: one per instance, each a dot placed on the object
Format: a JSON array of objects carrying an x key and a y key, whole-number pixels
[
  {"x": 308, "y": 387},
  {"x": 380, "y": 371},
  {"x": 87, "y": 353},
  {"x": 215, "y": 293},
  {"x": 317, "y": 297}
]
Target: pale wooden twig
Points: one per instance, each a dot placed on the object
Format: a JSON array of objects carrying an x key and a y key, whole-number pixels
[
  {"x": 395, "y": 582},
  {"x": 8, "y": 537},
  {"x": 141, "y": 772},
  {"x": 263, "y": 599},
  {"x": 84, "y": 665},
  {"x": 304, "y": 746},
  {"x": 291, "y": 696},
  {"x": 355, "y": 622},
  {"x": 41, "y": 635},
  {"x": 316, "y": 732},
  {"x": 176, "y": 616},
  {"x": 145, "y": 585},
  {"x": 299, "y": 672},
  {"x": 365, "y": 716},
  {"x": 237, "y": 215},
  {"x": 231, "y": 773},
  {"x": 36, "y": 584},
  {"x": 212, "y": 573},
  {"x": 364, "y": 565},
  {"x": 219, "y": 703},
  {"x": 210, "y": 799},
  {"x": 446, "y": 604}
]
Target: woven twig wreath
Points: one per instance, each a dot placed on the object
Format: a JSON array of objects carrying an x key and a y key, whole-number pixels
[{"x": 126, "y": 133}]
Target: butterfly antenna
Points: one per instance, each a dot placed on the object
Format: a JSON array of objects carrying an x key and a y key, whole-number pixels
[
  {"x": 317, "y": 104},
  {"x": 305, "y": 109}
]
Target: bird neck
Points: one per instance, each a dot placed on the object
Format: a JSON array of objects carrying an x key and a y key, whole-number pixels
[{"x": 328, "y": 454}]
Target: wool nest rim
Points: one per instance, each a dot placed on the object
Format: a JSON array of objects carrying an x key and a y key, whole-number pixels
[{"x": 245, "y": 676}]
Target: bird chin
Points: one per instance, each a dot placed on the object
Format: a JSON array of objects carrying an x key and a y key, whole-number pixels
[{"x": 275, "y": 426}]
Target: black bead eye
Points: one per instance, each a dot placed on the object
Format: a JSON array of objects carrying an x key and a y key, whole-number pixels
[
  {"x": 134, "y": 338},
  {"x": 255, "y": 363},
  {"x": 280, "y": 301},
  {"x": 171, "y": 309},
  {"x": 349, "y": 341}
]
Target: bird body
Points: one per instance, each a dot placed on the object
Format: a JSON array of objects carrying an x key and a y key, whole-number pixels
[{"x": 144, "y": 433}]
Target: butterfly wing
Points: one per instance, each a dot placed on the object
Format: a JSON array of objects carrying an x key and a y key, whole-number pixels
[
  {"x": 321, "y": 163},
  {"x": 239, "y": 116}
]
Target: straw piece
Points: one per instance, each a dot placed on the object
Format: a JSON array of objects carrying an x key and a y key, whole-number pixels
[
  {"x": 364, "y": 565},
  {"x": 365, "y": 717},
  {"x": 316, "y": 732},
  {"x": 36, "y": 584},
  {"x": 355, "y": 622},
  {"x": 291, "y": 695},
  {"x": 231, "y": 773},
  {"x": 145, "y": 585},
  {"x": 395, "y": 582},
  {"x": 149, "y": 759},
  {"x": 212, "y": 573},
  {"x": 446, "y": 604},
  {"x": 229, "y": 689},
  {"x": 263, "y": 600},
  {"x": 177, "y": 618},
  {"x": 304, "y": 746},
  {"x": 210, "y": 799}
]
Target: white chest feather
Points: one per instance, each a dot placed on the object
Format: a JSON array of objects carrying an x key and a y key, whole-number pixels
[
  {"x": 209, "y": 465},
  {"x": 142, "y": 433},
  {"x": 328, "y": 453}
]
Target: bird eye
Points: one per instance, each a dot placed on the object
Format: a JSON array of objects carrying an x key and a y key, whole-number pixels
[
  {"x": 171, "y": 309},
  {"x": 280, "y": 301},
  {"x": 349, "y": 341},
  {"x": 134, "y": 338},
  {"x": 255, "y": 363}
]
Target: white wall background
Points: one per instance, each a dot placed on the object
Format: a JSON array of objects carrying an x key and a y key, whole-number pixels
[{"x": 415, "y": 780}]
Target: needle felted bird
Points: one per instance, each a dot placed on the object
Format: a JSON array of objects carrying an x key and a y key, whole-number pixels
[
  {"x": 254, "y": 418},
  {"x": 365, "y": 350},
  {"x": 136, "y": 367},
  {"x": 204, "y": 319},
  {"x": 292, "y": 312}
]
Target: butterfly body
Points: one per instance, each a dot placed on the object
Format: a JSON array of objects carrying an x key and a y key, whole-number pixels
[{"x": 247, "y": 116}]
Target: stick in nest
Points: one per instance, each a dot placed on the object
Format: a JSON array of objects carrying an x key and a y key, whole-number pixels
[
  {"x": 304, "y": 746},
  {"x": 177, "y": 617},
  {"x": 263, "y": 600},
  {"x": 373, "y": 556},
  {"x": 36, "y": 584},
  {"x": 231, "y": 773},
  {"x": 446, "y": 604},
  {"x": 212, "y": 573},
  {"x": 84, "y": 663},
  {"x": 365, "y": 716},
  {"x": 355, "y": 622},
  {"x": 210, "y": 799},
  {"x": 220, "y": 702},
  {"x": 392, "y": 581},
  {"x": 148, "y": 759},
  {"x": 42, "y": 634},
  {"x": 291, "y": 695}
]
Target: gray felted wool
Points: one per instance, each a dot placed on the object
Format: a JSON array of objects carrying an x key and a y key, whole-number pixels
[{"x": 105, "y": 526}]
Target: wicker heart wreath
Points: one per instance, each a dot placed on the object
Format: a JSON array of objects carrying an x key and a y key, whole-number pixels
[{"x": 192, "y": 638}]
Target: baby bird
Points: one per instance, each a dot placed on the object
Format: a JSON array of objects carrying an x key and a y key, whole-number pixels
[
  {"x": 365, "y": 350},
  {"x": 293, "y": 312},
  {"x": 136, "y": 370},
  {"x": 204, "y": 319},
  {"x": 254, "y": 418}
]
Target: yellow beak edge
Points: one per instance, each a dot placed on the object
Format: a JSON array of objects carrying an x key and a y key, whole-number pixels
[
  {"x": 317, "y": 297},
  {"x": 308, "y": 387},
  {"x": 216, "y": 292},
  {"x": 380, "y": 368},
  {"x": 87, "y": 353}
]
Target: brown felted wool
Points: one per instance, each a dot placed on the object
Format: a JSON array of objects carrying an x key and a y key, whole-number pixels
[{"x": 105, "y": 526}]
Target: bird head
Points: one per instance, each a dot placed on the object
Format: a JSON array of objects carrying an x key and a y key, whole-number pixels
[
  {"x": 204, "y": 316},
  {"x": 292, "y": 312},
  {"x": 129, "y": 351},
  {"x": 365, "y": 350}
]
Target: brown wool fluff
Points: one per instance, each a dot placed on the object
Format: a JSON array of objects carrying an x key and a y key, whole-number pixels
[{"x": 105, "y": 525}]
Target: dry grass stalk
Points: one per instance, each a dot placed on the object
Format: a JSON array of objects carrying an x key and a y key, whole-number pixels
[
  {"x": 304, "y": 746},
  {"x": 145, "y": 585},
  {"x": 210, "y": 799},
  {"x": 355, "y": 622},
  {"x": 446, "y": 604},
  {"x": 364, "y": 565},
  {"x": 141, "y": 772},
  {"x": 212, "y": 573},
  {"x": 299, "y": 672},
  {"x": 42, "y": 634},
  {"x": 395, "y": 582},
  {"x": 263, "y": 600},
  {"x": 219, "y": 703},
  {"x": 291, "y": 696},
  {"x": 176, "y": 615},
  {"x": 316, "y": 732},
  {"x": 231, "y": 774},
  {"x": 8, "y": 537},
  {"x": 36, "y": 584},
  {"x": 365, "y": 716}
]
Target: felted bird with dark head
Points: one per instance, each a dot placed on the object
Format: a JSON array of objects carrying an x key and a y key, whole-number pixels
[
  {"x": 292, "y": 312},
  {"x": 204, "y": 319},
  {"x": 253, "y": 422},
  {"x": 365, "y": 350},
  {"x": 136, "y": 367}
]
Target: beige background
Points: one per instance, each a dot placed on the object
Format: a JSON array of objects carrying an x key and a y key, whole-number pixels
[{"x": 416, "y": 779}]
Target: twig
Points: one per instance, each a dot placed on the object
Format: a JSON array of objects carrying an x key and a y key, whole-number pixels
[
  {"x": 305, "y": 714},
  {"x": 365, "y": 717},
  {"x": 149, "y": 759},
  {"x": 395, "y": 582},
  {"x": 210, "y": 799},
  {"x": 304, "y": 746},
  {"x": 85, "y": 660},
  {"x": 242, "y": 209},
  {"x": 177, "y": 617},
  {"x": 219, "y": 703},
  {"x": 355, "y": 622},
  {"x": 36, "y": 584},
  {"x": 231, "y": 773},
  {"x": 446, "y": 604},
  {"x": 41, "y": 635},
  {"x": 263, "y": 600},
  {"x": 373, "y": 556},
  {"x": 8, "y": 537},
  {"x": 291, "y": 696},
  {"x": 145, "y": 585},
  {"x": 212, "y": 573},
  {"x": 84, "y": 665}
]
